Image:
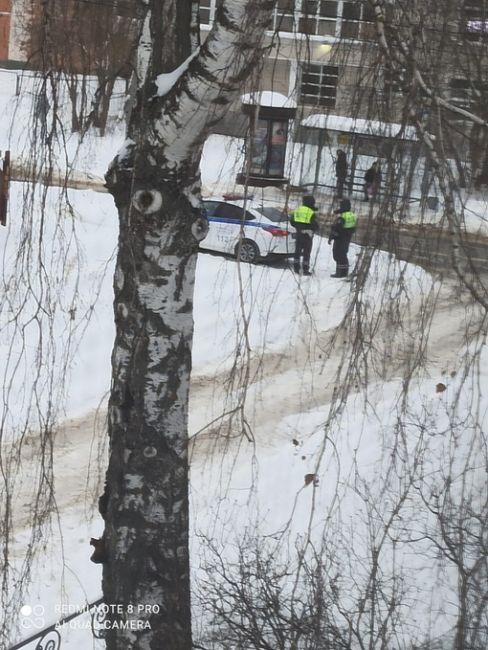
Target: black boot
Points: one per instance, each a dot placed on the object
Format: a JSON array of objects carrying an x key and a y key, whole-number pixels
[{"x": 341, "y": 271}]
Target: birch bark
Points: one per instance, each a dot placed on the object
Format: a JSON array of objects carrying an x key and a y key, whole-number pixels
[{"x": 156, "y": 187}]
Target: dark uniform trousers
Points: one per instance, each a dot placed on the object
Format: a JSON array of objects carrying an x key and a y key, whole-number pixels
[
  {"x": 303, "y": 248},
  {"x": 340, "y": 249}
]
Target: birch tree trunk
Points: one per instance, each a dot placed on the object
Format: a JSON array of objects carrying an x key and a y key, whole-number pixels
[{"x": 156, "y": 187}]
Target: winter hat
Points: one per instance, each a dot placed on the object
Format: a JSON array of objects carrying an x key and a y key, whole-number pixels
[
  {"x": 309, "y": 201},
  {"x": 345, "y": 205}
]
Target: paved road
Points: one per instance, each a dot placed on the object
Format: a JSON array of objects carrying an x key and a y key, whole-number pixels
[
  {"x": 74, "y": 179},
  {"x": 428, "y": 245}
]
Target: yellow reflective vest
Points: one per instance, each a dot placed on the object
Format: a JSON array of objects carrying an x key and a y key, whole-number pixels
[
  {"x": 303, "y": 214},
  {"x": 350, "y": 220}
]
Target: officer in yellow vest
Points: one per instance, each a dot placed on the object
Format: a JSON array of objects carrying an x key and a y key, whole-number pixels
[
  {"x": 304, "y": 220},
  {"x": 341, "y": 233}
]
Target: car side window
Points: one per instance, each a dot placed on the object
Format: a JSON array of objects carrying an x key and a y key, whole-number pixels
[
  {"x": 234, "y": 212},
  {"x": 210, "y": 207}
]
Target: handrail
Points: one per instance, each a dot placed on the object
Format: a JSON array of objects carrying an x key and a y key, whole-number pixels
[{"x": 54, "y": 643}]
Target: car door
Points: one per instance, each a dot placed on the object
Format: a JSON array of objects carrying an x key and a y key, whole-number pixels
[
  {"x": 211, "y": 241},
  {"x": 232, "y": 219}
]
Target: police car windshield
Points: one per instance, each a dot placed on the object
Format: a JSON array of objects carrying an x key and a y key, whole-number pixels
[{"x": 273, "y": 214}]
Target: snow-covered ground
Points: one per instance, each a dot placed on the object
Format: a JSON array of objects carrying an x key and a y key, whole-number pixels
[{"x": 379, "y": 456}]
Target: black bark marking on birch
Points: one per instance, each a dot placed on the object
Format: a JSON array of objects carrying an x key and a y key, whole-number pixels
[
  {"x": 205, "y": 53},
  {"x": 220, "y": 101},
  {"x": 187, "y": 90},
  {"x": 222, "y": 17},
  {"x": 118, "y": 181},
  {"x": 199, "y": 228},
  {"x": 126, "y": 404},
  {"x": 150, "y": 452},
  {"x": 103, "y": 500},
  {"x": 145, "y": 220},
  {"x": 227, "y": 85},
  {"x": 147, "y": 201}
]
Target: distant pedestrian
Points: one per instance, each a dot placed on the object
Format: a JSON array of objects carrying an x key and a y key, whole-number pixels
[
  {"x": 341, "y": 172},
  {"x": 304, "y": 219},
  {"x": 372, "y": 181},
  {"x": 341, "y": 233}
]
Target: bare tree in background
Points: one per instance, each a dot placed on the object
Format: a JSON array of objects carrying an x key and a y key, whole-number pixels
[
  {"x": 78, "y": 40},
  {"x": 432, "y": 53},
  {"x": 418, "y": 55},
  {"x": 363, "y": 593}
]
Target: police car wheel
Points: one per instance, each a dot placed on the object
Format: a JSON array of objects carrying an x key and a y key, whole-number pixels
[{"x": 247, "y": 251}]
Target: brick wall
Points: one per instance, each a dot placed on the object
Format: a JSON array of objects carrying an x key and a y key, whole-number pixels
[
  {"x": 77, "y": 37},
  {"x": 5, "y": 7}
]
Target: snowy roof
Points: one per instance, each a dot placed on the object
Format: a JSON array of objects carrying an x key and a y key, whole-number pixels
[
  {"x": 269, "y": 98},
  {"x": 357, "y": 125}
]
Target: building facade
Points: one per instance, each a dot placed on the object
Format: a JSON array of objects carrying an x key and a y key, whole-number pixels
[
  {"x": 5, "y": 22},
  {"x": 316, "y": 52},
  {"x": 321, "y": 54},
  {"x": 73, "y": 36}
]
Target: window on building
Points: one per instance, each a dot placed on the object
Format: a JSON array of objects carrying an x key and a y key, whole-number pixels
[
  {"x": 475, "y": 19},
  {"x": 267, "y": 148},
  {"x": 357, "y": 20},
  {"x": 283, "y": 14},
  {"x": 319, "y": 85},
  {"x": 468, "y": 94},
  {"x": 318, "y": 17},
  {"x": 207, "y": 7},
  {"x": 283, "y": 18},
  {"x": 393, "y": 82},
  {"x": 351, "y": 19}
]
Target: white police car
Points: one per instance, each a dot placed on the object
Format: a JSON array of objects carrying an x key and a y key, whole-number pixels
[{"x": 247, "y": 230}]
